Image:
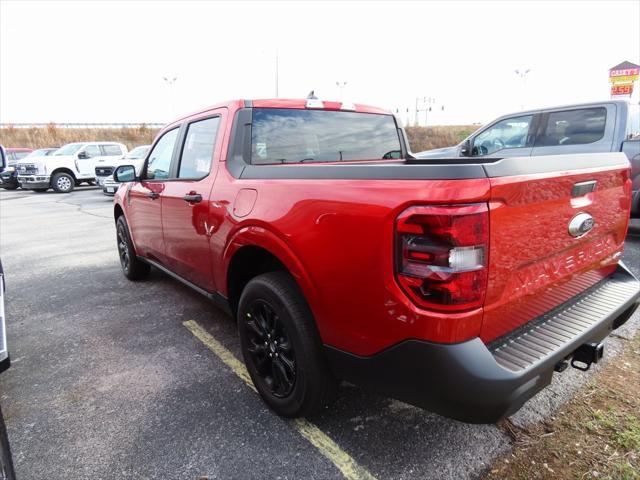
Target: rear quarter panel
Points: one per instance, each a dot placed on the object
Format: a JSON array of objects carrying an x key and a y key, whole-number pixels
[{"x": 339, "y": 237}]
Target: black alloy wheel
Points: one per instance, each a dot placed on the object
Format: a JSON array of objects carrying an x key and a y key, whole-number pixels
[
  {"x": 270, "y": 348},
  {"x": 123, "y": 249},
  {"x": 281, "y": 346},
  {"x": 132, "y": 267}
]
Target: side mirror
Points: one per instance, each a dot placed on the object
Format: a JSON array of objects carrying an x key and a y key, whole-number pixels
[
  {"x": 3, "y": 160},
  {"x": 465, "y": 148},
  {"x": 125, "y": 173},
  {"x": 83, "y": 155}
]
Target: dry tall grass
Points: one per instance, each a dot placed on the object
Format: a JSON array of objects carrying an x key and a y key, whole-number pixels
[
  {"x": 420, "y": 138},
  {"x": 426, "y": 138},
  {"x": 54, "y": 136}
]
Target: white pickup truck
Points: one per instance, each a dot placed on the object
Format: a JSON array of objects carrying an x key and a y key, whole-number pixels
[
  {"x": 69, "y": 166},
  {"x": 106, "y": 166}
]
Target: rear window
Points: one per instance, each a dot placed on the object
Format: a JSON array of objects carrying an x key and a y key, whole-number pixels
[
  {"x": 574, "y": 127},
  {"x": 297, "y": 136}
]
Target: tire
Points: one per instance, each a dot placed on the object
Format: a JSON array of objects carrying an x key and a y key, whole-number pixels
[
  {"x": 40, "y": 190},
  {"x": 282, "y": 348},
  {"x": 6, "y": 461},
  {"x": 63, "y": 182},
  {"x": 132, "y": 267}
]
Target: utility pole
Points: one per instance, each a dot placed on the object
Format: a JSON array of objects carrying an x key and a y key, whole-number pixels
[
  {"x": 170, "y": 81},
  {"x": 427, "y": 102},
  {"x": 427, "y": 109},
  {"x": 523, "y": 76}
]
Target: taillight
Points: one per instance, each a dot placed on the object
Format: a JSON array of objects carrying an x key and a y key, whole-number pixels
[{"x": 441, "y": 255}]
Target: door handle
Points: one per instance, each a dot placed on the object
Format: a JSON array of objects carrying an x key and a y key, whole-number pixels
[
  {"x": 192, "y": 198},
  {"x": 153, "y": 195}
]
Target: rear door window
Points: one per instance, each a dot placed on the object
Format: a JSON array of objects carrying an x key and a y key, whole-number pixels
[
  {"x": 92, "y": 151},
  {"x": 305, "y": 136},
  {"x": 574, "y": 127},
  {"x": 112, "y": 150}
]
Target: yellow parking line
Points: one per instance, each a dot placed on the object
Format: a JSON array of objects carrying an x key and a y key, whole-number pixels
[{"x": 327, "y": 447}]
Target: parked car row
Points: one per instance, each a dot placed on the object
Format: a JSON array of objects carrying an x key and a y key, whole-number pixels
[{"x": 62, "y": 169}]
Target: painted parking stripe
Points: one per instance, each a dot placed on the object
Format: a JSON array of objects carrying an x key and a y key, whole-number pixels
[{"x": 327, "y": 447}]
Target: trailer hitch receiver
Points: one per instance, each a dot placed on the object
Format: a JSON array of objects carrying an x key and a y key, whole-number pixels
[{"x": 587, "y": 354}]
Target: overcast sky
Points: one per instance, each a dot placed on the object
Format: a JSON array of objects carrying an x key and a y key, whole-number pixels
[{"x": 104, "y": 61}]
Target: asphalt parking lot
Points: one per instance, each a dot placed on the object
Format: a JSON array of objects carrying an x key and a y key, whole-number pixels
[{"x": 106, "y": 381}]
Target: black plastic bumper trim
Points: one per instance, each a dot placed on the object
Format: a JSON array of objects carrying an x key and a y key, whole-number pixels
[
  {"x": 464, "y": 381},
  {"x": 5, "y": 364}
]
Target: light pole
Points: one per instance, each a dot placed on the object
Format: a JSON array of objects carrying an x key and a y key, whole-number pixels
[
  {"x": 341, "y": 86},
  {"x": 277, "y": 72},
  {"x": 170, "y": 81},
  {"x": 523, "y": 76}
]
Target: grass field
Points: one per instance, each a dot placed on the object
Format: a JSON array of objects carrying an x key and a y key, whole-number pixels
[
  {"x": 54, "y": 136},
  {"x": 420, "y": 138}
]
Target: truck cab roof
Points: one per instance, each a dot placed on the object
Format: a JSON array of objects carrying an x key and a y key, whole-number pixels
[{"x": 291, "y": 103}]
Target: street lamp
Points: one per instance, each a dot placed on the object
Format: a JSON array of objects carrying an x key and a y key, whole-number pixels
[
  {"x": 523, "y": 76},
  {"x": 341, "y": 86},
  {"x": 170, "y": 81}
]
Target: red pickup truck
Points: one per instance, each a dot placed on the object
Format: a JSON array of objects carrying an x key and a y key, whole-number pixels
[{"x": 457, "y": 285}]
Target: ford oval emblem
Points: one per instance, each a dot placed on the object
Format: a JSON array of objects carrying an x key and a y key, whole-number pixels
[{"x": 581, "y": 224}]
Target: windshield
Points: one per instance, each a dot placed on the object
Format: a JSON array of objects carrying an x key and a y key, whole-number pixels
[
  {"x": 138, "y": 152},
  {"x": 43, "y": 152},
  {"x": 69, "y": 149},
  {"x": 295, "y": 136}
]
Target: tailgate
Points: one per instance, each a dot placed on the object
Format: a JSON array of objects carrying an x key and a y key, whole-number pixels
[{"x": 557, "y": 227}]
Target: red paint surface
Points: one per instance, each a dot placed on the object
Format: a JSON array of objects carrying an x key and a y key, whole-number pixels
[
  {"x": 336, "y": 238},
  {"x": 534, "y": 263}
]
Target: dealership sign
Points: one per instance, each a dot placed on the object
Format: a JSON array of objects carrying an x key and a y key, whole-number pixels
[{"x": 622, "y": 77}]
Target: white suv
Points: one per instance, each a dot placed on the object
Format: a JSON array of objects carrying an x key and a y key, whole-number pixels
[{"x": 67, "y": 167}]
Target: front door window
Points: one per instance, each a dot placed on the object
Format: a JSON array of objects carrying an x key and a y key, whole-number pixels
[
  {"x": 159, "y": 166},
  {"x": 507, "y": 133}
]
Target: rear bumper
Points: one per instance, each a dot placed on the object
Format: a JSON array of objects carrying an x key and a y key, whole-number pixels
[{"x": 471, "y": 381}]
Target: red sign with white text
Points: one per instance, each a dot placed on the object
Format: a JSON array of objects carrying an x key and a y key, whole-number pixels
[
  {"x": 625, "y": 72},
  {"x": 622, "y": 89}
]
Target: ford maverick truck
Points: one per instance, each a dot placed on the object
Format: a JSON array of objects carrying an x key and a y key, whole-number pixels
[
  {"x": 457, "y": 285},
  {"x": 611, "y": 126}
]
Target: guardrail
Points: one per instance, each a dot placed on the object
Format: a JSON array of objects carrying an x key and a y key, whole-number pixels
[{"x": 83, "y": 125}]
